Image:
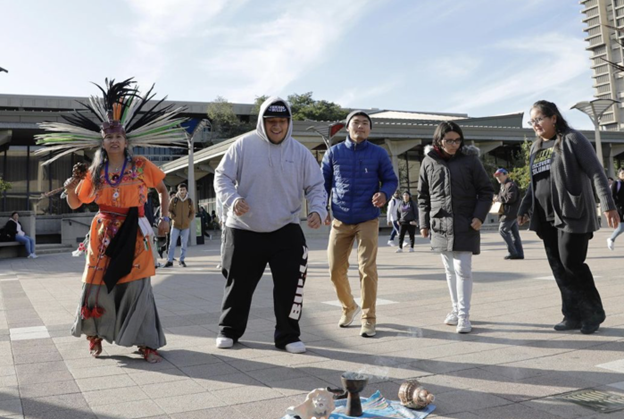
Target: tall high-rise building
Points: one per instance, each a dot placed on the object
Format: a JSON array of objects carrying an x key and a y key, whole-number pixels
[{"x": 605, "y": 43}]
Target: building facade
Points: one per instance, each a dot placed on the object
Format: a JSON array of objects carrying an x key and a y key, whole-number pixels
[{"x": 604, "y": 20}]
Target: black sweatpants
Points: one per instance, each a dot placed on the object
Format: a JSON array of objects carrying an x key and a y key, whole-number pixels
[
  {"x": 566, "y": 253},
  {"x": 245, "y": 257},
  {"x": 411, "y": 229}
]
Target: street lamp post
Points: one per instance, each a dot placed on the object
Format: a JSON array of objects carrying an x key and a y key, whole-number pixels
[
  {"x": 595, "y": 109},
  {"x": 191, "y": 176}
]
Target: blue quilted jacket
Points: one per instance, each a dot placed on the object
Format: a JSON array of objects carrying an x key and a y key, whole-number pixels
[{"x": 353, "y": 174}]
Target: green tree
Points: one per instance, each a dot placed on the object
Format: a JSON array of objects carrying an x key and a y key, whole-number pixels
[
  {"x": 304, "y": 107},
  {"x": 224, "y": 122},
  {"x": 521, "y": 171},
  {"x": 258, "y": 102},
  {"x": 4, "y": 185}
]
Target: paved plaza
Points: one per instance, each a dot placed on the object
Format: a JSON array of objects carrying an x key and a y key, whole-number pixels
[{"x": 512, "y": 366}]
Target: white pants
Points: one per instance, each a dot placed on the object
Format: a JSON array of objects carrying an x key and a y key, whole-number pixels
[{"x": 458, "y": 267}]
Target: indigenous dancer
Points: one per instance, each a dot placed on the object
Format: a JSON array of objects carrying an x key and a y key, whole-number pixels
[{"x": 117, "y": 303}]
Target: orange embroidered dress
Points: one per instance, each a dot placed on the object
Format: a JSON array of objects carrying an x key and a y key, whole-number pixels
[
  {"x": 130, "y": 192},
  {"x": 127, "y": 314}
]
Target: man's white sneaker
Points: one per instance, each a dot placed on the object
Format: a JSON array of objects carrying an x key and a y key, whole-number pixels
[
  {"x": 451, "y": 319},
  {"x": 224, "y": 343},
  {"x": 463, "y": 325},
  {"x": 399, "y": 250},
  {"x": 610, "y": 244},
  {"x": 295, "y": 348},
  {"x": 33, "y": 256},
  {"x": 347, "y": 318},
  {"x": 411, "y": 250},
  {"x": 390, "y": 243}
]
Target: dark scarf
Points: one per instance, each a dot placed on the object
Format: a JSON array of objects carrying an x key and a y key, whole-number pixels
[{"x": 121, "y": 250}]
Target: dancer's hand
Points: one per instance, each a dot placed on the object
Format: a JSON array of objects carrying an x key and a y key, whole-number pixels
[
  {"x": 476, "y": 224},
  {"x": 314, "y": 220},
  {"x": 424, "y": 232},
  {"x": 613, "y": 218},
  {"x": 241, "y": 207},
  {"x": 523, "y": 219},
  {"x": 379, "y": 199}
]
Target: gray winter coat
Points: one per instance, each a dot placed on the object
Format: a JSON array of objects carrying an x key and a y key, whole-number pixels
[
  {"x": 450, "y": 194},
  {"x": 575, "y": 168}
]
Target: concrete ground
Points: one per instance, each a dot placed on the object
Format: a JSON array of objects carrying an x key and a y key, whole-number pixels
[{"x": 513, "y": 365}]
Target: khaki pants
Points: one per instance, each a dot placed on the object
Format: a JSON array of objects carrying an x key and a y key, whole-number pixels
[{"x": 340, "y": 244}]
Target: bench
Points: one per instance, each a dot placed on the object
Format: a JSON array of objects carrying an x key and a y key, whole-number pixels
[{"x": 12, "y": 250}]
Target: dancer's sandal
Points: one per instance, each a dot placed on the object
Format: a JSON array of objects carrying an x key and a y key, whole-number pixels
[
  {"x": 150, "y": 355},
  {"x": 95, "y": 346}
]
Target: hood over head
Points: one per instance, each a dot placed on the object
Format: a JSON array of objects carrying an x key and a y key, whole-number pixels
[{"x": 274, "y": 107}]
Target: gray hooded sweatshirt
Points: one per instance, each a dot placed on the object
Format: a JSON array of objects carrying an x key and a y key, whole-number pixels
[{"x": 272, "y": 178}]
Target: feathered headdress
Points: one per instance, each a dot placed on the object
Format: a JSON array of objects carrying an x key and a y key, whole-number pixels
[{"x": 121, "y": 109}]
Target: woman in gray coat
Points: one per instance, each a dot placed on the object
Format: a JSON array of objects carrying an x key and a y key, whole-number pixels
[
  {"x": 560, "y": 204},
  {"x": 455, "y": 195}
]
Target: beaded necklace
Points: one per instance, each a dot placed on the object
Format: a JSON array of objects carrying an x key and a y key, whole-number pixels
[{"x": 118, "y": 181}]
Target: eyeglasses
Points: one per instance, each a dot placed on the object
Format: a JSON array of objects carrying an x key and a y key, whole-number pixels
[
  {"x": 452, "y": 142},
  {"x": 536, "y": 121}
]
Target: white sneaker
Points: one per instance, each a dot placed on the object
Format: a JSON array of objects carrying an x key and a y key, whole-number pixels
[
  {"x": 224, "y": 343},
  {"x": 411, "y": 250},
  {"x": 347, "y": 318},
  {"x": 399, "y": 250},
  {"x": 390, "y": 243},
  {"x": 610, "y": 244},
  {"x": 463, "y": 325},
  {"x": 295, "y": 347},
  {"x": 451, "y": 319},
  {"x": 33, "y": 256}
]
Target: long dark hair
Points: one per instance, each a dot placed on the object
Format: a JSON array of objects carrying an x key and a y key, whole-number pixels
[
  {"x": 443, "y": 129},
  {"x": 549, "y": 109},
  {"x": 99, "y": 161}
]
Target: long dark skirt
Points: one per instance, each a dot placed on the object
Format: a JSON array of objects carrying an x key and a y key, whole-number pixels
[{"x": 130, "y": 316}]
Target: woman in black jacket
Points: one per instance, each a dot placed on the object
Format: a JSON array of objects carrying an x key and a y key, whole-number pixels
[
  {"x": 454, "y": 197},
  {"x": 617, "y": 190},
  {"x": 407, "y": 214},
  {"x": 565, "y": 173}
]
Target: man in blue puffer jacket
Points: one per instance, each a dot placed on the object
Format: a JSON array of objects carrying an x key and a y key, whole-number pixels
[{"x": 360, "y": 178}]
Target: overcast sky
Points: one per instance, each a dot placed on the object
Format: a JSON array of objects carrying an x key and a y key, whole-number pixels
[{"x": 480, "y": 57}]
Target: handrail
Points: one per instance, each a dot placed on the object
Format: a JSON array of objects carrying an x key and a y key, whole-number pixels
[{"x": 70, "y": 221}]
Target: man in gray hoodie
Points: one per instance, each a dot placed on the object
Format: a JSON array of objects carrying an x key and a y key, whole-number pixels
[{"x": 263, "y": 179}]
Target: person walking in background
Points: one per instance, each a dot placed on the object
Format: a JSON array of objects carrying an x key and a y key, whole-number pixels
[
  {"x": 565, "y": 172},
  {"x": 391, "y": 216},
  {"x": 13, "y": 228},
  {"x": 617, "y": 190},
  {"x": 264, "y": 178},
  {"x": 206, "y": 222},
  {"x": 182, "y": 212},
  {"x": 360, "y": 178},
  {"x": 164, "y": 212},
  {"x": 220, "y": 216},
  {"x": 454, "y": 197},
  {"x": 407, "y": 213},
  {"x": 509, "y": 198}
]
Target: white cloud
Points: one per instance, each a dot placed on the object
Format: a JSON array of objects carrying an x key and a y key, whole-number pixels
[
  {"x": 459, "y": 66},
  {"x": 263, "y": 58},
  {"x": 546, "y": 63},
  {"x": 355, "y": 96}
]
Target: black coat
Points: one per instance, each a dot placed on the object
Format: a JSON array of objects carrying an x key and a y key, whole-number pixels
[
  {"x": 10, "y": 229},
  {"x": 450, "y": 194},
  {"x": 618, "y": 197},
  {"x": 407, "y": 212},
  {"x": 509, "y": 197}
]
